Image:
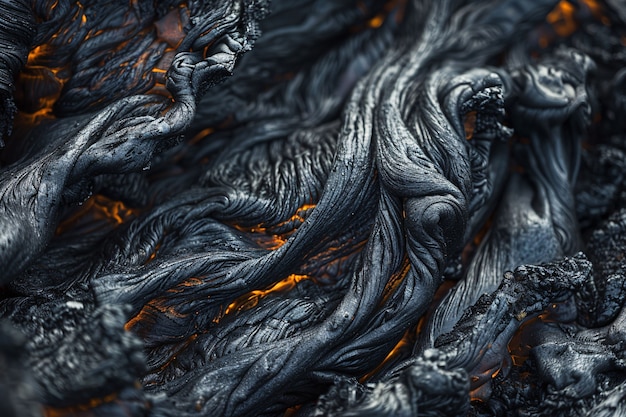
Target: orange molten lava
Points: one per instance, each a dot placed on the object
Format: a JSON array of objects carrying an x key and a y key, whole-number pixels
[
  {"x": 251, "y": 299},
  {"x": 98, "y": 207},
  {"x": 73, "y": 410}
]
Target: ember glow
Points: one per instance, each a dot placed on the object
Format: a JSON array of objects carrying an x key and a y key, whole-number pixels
[{"x": 313, "y": 208}]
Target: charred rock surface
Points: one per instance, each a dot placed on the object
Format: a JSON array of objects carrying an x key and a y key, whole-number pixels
[
  {"x": 231, "y": 209},
  {"x": 19, "y": 395},
  {"x": 431, "y": 383}
]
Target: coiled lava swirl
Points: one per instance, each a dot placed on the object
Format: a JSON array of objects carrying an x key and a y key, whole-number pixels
[{"x": 312, "y": 208}]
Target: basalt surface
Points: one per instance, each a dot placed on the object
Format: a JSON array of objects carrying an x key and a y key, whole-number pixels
[{"x": 312, "y": 208}]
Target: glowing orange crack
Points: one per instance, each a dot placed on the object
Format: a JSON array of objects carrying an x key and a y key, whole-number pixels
[{"x": 252, "y": 298}]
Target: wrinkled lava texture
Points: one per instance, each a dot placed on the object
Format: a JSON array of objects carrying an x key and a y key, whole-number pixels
[{"x": 312, "y": 208}]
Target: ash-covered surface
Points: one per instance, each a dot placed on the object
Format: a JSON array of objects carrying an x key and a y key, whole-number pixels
[{"x": 312, "y": 208}]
